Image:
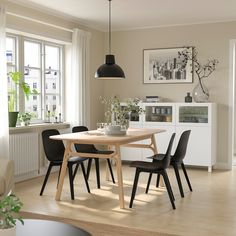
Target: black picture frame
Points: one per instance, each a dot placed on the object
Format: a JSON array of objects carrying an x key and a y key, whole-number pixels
[{"x": 163, "y": 66}]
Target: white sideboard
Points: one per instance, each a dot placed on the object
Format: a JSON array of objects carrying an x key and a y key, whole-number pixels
[{"x": 200, "y": 118}]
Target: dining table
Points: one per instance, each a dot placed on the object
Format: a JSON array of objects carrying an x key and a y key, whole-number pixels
[{"x": 96, "y": 137}]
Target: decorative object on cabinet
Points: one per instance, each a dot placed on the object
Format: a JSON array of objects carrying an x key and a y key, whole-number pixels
[
  {"x": 109, "y": 70},
  {"x": 200, "y": 92},
  {"x": 188, "y": 98},
  {"x": 165, "y": 66},
  {"x": 121, "y": 113},
  {"x": 152, "y": 99}
]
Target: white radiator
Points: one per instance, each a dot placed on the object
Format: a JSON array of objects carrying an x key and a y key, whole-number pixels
[{"x": 24, "y": 150}]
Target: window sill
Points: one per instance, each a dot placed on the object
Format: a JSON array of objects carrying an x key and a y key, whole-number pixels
[{"x": 38, "y": 127}]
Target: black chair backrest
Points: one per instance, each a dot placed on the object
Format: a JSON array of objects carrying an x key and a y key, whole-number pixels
[
  {"x": 181, "y": 149},
  {"x": 54, "y": 149},
  {"x": 90, "y": 148},
  {"x": 165, "y": 162}
]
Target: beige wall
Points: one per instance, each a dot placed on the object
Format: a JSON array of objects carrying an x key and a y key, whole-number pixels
[{"x": 211, "y": 41}]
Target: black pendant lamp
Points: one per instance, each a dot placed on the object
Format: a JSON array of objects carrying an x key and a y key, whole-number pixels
[{"x": 109, "y": 70}]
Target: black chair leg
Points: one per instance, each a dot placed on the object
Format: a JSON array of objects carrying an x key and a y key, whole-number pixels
[
  {"x": 75, "y": 170},
  {"x": 89, "y": 167},
  {"x": 85, "y": 177},
  {"x": 148, "y": 183},
  {"x": 110, "y": 168},
  {"x": 178, "y": 179},
  {"x": 186, "y": 176},
  {"x": 97, "y": 172},
  {"x": 134, "y": 188},
  {"x": 71, "y": 182},
  {"x": 168, "y": 187},
  {"x": 173, "y": 197},
  {"x": 158, "y": 180},
  {"x": 46, "y": 178}
]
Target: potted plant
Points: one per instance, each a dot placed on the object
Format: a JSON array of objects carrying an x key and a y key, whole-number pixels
[
  {"x": 25, "y": 118},
  {"x": 119, "y": 113},
  {"x": 9, "y": 214},
  {"x": 200, "y": 92},
  {"x": 16, "y": 78}
]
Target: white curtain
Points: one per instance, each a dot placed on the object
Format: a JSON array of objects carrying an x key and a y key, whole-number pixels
[
  {"x": 4, "y": 130},
  {"x": 78, "y": 85}
]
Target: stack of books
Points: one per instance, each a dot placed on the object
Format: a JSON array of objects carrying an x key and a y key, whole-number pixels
[{"x": 152, "y": 99}]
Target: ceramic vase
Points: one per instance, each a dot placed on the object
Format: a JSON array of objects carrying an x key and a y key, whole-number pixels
[{"x": 200, "y": 92}]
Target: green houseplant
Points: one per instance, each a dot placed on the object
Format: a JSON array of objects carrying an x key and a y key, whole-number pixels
[
  {"x": 118, "y": 113},
  {"x": 9, "y": 214},
  {"x": 25, "y": 118},
  {"x": 16, "y": 78}
]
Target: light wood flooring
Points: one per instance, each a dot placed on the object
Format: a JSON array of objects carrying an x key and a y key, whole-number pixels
[{"x": 209, "y": 210}]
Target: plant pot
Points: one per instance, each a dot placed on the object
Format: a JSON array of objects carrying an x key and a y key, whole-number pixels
[
  {"x": 8, "y": 232},
  {"x": 13, "y": 118}
]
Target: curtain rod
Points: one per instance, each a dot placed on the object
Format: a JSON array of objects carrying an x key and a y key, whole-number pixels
[{"x": 39, "y": 21}]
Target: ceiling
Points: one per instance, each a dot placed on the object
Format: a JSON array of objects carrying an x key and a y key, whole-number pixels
[{"x": 137, "y": 14}]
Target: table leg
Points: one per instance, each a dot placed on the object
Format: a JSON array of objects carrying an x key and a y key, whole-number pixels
[
  {"x": 63, "y": 171},
  {"x": 119, "y": 176}
]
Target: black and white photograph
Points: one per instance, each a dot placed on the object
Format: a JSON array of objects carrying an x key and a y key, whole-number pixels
[{"x": 164, "y": 66}]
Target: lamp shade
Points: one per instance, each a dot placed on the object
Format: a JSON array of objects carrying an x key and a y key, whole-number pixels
[{"x": 109, "y": 70}]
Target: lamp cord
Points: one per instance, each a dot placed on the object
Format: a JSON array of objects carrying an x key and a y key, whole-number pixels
[{"x": 109, "y": 29}]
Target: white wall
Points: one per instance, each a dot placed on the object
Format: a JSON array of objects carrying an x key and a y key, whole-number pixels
[{"x": 211, "y": 41}]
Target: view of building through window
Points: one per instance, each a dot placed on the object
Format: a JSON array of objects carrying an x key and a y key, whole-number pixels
[{"x": 41, "y": 68}]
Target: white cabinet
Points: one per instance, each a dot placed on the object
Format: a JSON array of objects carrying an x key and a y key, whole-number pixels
[{"x": 200, "y": 118}]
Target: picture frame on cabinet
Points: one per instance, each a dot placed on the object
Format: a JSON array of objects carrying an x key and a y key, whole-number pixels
[{"x": 164, "y": 66}]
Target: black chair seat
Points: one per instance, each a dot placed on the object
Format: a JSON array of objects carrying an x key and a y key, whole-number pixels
[
  {"x": 159, "y": 167},
  {"x": 148, "y": 166},
  {"x": 90, "y": 148}
]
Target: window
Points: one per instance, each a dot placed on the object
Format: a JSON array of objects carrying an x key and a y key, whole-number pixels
[{"x": 41, "y": 63}]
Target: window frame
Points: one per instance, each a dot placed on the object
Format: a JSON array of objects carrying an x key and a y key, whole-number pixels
[{"x": 19, "y": 61}]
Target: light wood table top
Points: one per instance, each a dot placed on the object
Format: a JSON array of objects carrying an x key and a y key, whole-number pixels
[{"x": 96, "y": 137}]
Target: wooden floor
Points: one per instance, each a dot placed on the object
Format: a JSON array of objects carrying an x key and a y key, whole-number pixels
[{"x": 209, "y": 210}]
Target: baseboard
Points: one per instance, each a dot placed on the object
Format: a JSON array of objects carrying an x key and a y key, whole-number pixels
[{"x": 222, "y": 166}]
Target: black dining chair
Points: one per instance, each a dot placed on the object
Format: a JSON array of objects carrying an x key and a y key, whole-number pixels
[
  {"x": 90, "y": 148},
  {"x": 176, "y": 161},
  {"x": 54, "y": 151},
  {"x": 157, "y": 168}
]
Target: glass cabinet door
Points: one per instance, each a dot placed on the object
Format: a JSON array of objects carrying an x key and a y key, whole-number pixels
[
  {"x": 193, "y": 114},
  {"x": 159, "y": 113}
]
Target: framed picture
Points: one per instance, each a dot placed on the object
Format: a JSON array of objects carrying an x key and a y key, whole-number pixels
[{"x": 161, "y": 66}]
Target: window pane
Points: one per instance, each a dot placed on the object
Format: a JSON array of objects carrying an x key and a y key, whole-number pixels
[
  {"x": 33, "y": 104},
  {"x": 32, "y": 54},
  {"x": 10, "y": 50},
  {"x": 33, "y": 78},
  {"x": 52, "y": 57},
  {"x": 53, "y": 105},
  {"x": 52, "y": 84}
]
